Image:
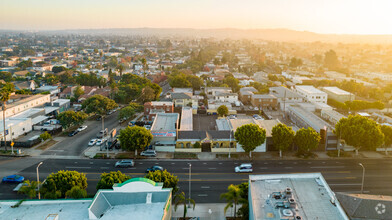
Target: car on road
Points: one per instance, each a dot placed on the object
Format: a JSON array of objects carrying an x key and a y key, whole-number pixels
[
  {"x": 82, "y": 128},
  {"x": 92, "y": 142},
  {"x": 125, "y": 163},
  {"x": 73, "y": 133},
  {"x": 100, "y": 142},
  {"x": 257, "y": 117},
  {"x": 244, "y": 168},
  {"x": 232, "y": 117},
  {"x": 102, "y": 133},
  {"x": 13, "y": 179},
  {"x": 149, "y": 153},
  {"x": 154, "y": 168}
]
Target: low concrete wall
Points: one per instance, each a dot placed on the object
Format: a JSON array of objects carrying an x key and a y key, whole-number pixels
[
  {"x": 191, "y": 150},
  {"x": 164, "y": 148}
]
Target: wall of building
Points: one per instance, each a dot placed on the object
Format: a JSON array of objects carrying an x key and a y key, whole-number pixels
[{"x": 12, "y": 109}]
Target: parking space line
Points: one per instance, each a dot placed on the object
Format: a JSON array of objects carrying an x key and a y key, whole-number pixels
[
  {"x": 205, "y": 187},
  {"x": 77, "y": 167},
  {"x": 202, "y": 195}
]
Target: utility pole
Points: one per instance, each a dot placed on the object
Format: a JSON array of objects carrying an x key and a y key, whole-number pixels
[
  {"x": 39, "y": 195},
  {"x": 190, "y": 178},
  {"x": 363, "y": 176}
]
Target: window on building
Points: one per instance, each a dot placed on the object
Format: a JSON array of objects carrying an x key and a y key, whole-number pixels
[{"x": 188, "y": 145}]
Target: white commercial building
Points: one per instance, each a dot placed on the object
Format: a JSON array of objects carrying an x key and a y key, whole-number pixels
[
  {"x": 15, "y": 127},
  {"x": 17, "y": 105},
  {"x": 312, "y": 94},
  {"x": 338, "y": 94}
]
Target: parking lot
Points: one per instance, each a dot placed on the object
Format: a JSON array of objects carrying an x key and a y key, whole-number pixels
[{"x": 204, "y": 122}]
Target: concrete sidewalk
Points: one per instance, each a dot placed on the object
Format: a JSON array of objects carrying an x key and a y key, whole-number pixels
[{"x": 205, "y": 211}]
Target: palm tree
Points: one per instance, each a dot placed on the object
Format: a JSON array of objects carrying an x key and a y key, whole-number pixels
[
  {"x": 29, "y": 189},
  {"x": 5, "y": 93},
  {"x": 232, "y": 197},
  {"x": 180, "y": 199}
]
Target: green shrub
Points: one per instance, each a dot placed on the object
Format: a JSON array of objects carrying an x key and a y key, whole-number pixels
[
  {"x": 45, "y": 136},
  {"x": 76, "y": 193}
]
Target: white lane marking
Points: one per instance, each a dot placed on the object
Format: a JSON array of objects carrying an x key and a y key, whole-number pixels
[
  {"x": 309, "y": 162},
  {"x": 104, "y": 168},
  {"x": 204, "y": 163},
  {"x": 173, "y": 163},
  {"x": 140, "y": 163},
  {"x": 280, "y": 163},
  {"x": 212, "y": 168},
  {"x": 323, "y": 162},
  {"x": 132, "y": 168},
  {"x": 77, "y": 167},
  {"x": 107, "y": 163},
  {"x": 235, "y": 163},
  {"x": 56, "y": 150},
  {"x": 220, "y": 163},
  {"x": 295, "y": 163},
  {"x": 76, "y": 162},
  {"x": 288, "y": 167},
  {"x": 185, "y": 168},
  {"x": 156, "y": 163},
  {"x": 205, "y": 187},
  {"x": 202, "y": 195},
  {"x": 328, "y": 167},
  {"x": 263, "y": 168},
  {"x": 265, "y": 163},
  {"x": 91, "y": 162}
]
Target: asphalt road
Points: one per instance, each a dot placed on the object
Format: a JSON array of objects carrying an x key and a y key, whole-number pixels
[
  {"x": 211, "y": 178},
  {"x": 76, "y": 145}
]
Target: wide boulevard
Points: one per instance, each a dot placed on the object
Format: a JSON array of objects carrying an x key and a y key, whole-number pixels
[{"x": 210, "y": 178}]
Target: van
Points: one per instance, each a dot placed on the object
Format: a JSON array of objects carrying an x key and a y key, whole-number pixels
[{"x": 102, "y": 133}]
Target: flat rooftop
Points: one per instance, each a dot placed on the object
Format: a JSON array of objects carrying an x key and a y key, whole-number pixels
[
  {"x": 311, "y": 119},
  {"x": 277, "y": 196},
  {"x": 309, "y": 89},
  {"x": 39, "y": 210},
  {"x": 165, "y": 122},
  {"x": 186, "y": 123},
  {"x": 283, "y": 92},
  {"x": 336, "y": 90},
  {"x": 160, "y": 103}
]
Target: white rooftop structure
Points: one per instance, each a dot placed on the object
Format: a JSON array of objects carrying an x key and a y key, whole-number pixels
[
  {"x": 165, "y": 122},
  {"x": 312, "y": 94},
  {"x": 336, "y": 90},
  {"x": 286, "y": 196},
  {"x": 160, "y": 103},
  {"x": 186, "y": 123},
  {"x": 137, "y": 198}
]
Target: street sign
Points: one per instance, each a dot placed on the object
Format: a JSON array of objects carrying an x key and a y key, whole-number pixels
[{"x": 12, "y": 144}]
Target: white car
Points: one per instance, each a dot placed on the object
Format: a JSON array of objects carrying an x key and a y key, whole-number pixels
[
  {"x": 82, "y": 128},
  {"x": 92, "y": 142},
  {"x": 244, "y": 168},
  {"x": 100, "y": 142}
]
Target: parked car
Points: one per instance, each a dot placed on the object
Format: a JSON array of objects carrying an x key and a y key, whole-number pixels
[
  {"x": 244, "y": 168},
  {"x": 73, "y": 133},
  {"x": 100, "y": 142},
  {"x": 92, "y": 142},
  {"x": 154, "y": 168},
  {"x": 257, "y": 117},
  {"x": 82, "y": 128},
  {"x": 149, "y": 153},
  {"x": 125, "y": 163},
  {"x": 232, "y": 116},
  {"x": 13, "y": 179}
]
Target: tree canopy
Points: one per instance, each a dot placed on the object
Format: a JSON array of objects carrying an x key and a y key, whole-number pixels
[
  {"x": 283, "y": 137},
  {"x": 70, "y": 118},
  {"x": 250, "y": 136},
  {"x": 57, "y": 184},
  {"x": 222, "y": 110},
  {"x": 360, "y": 132},
  {"x": 135, "y": 138},
  {"x": 307, "y": 139},
  {"x": 168, "y": 179},
  {"x": 387, "y": 131},
  {"x": 99, "y": 105},
  {"x": 108, "y": 179}
]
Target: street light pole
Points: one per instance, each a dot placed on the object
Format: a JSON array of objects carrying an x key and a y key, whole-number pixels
[
  {"x": 39, "y": 195},
  {"x": 190, "y": 178},
  {"x": 363, "y": 176}
]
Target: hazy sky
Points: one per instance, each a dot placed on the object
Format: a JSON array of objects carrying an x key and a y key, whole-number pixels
[{"x": 329, "y": 16}]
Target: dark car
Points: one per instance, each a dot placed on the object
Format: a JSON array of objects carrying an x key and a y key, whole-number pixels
[
  {"x": 125, "y": 163},
  {"x": 154, "y": 168},
  {"x": 72, "y": 133},
  {"x": 13, "y": 179}
]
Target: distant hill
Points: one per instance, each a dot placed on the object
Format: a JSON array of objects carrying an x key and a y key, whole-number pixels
[{"x": 263, "y": 34}]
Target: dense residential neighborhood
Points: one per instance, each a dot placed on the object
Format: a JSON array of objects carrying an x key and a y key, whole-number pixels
[{"x": 127, "y": 121}]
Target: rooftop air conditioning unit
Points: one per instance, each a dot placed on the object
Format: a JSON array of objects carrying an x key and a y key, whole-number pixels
[
  {"x": 298, "y": 217},
  {"x": 287, "y": 212}
]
